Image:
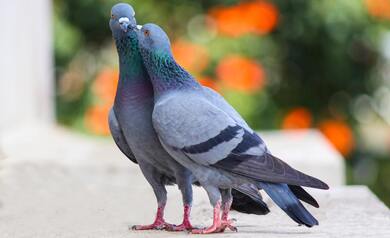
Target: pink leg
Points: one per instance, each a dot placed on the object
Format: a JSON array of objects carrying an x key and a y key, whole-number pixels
[
  {"x": 227, "y": 223},
  {"x": 186, "y": 224},
  {"x": 158, "y": 224},
  {"x": 216, "y": 222}
]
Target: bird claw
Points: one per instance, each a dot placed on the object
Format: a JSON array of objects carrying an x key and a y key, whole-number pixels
[
  {"x": 228, "y": 224},
  {"x": 217, "y": 229},
  {"x": 160, "y": 225},
  {"x": 181, "y": 227},
  {"x": 205, "y": 230}
]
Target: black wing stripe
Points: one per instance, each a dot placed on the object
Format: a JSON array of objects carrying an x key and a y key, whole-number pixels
[
  {"x": 247, "y": 142},
  {"x": 225, "y": 135}
]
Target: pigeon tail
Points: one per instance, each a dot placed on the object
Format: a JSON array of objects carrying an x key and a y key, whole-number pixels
[
  {"x": 247, "y": 199},
  {"x": 289, "y": 203},
  {"x": 304, "y": 196}
]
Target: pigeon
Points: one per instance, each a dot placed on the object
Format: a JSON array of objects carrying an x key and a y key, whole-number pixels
[
  {"x": 130, "y": 122},
  {"x": 131, "y": 126},
  {"x": 201, "y": 131}
]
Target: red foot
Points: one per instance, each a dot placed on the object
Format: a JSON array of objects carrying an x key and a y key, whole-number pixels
[
  {"x": 214, "y": 228},
  {"x": 182, "y": 227},
  {"x": 219, "y": 225},
  {"x": 211, "y": 229},
  {"x": 157, "y": 225},
  {"x": 186, "y": 225},
  {"x": 228, "y": 224}
]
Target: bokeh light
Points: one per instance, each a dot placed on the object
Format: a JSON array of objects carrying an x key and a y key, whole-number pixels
[
  {"x": 193, "y": 57},
  {"x": 208, "y": 82},
  {"x": 297, "y": 118},
  {"x": 96, "y": 118},
  {"x": 379, "y": 8},
  {"x": 339, "y": 134},
  {"x": 240, "y": 73},
  {"x": 258, "y": 17}
]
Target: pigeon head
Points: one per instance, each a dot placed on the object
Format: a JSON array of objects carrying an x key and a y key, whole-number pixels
[
  {"x": 122, "y": 19},
  {"x": 163, "y": 70},
  {"x": 153, "y": 41}
]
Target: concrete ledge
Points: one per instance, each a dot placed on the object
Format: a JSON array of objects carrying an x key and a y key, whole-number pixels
[
  {"x": 51, "y": 200},
  {"x": 57, "y": 184}
]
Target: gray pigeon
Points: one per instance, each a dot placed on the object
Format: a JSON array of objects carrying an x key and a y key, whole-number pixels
[
  {"x": 131, "y": 127},
  {"x": 206, "y": 135}
]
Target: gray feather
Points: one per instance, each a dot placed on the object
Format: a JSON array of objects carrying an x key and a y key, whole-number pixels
[
  {"x": 119, "y": 138},
  {"x": 179, "y": 130}
]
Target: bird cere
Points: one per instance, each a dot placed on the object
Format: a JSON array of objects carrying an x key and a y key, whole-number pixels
[{"x": 180, "y": 132}]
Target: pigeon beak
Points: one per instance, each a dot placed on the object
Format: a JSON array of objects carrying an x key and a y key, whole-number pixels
[{"x": 124, "y": 23}]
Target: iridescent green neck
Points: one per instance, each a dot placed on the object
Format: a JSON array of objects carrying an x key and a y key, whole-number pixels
[
  {"x": 130, "y": 61},
  {"x": 166, "y": 74}
]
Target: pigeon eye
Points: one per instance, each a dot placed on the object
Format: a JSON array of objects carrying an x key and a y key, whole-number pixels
[
  {"x": 146, "y": 32},
  {"x": 112, "y": 16}
]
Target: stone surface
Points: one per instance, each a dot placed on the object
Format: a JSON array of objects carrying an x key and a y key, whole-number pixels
[
  {"x": 56, "y": 200},
  {"x": 54, "y": 183}
]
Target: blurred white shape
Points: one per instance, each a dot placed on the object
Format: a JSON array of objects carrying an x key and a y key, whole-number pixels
[
  {"x": 382, "y": 99},
  {"x": 386, "y": 45},
  {"x": 26, "y": 82},
  {"x": 374, "y": 137},
  {"x": 362, "y": 109},
  {"x": 202, "y": 29}
]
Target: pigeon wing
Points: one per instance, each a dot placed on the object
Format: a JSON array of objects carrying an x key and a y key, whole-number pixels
[
  {"x": 189, "y": 123},
  {"x": 118, "y": 136}
]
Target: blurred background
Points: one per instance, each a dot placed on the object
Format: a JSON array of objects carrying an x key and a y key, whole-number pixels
[{"x": 283, "y": 64}]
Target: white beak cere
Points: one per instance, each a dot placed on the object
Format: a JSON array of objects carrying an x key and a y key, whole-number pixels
[
  {"x": 124, "y": 19},
  {"x": 139, "y": 27}
]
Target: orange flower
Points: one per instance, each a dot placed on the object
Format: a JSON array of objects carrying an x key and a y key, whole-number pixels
[
  {"x": 105, "y": 85},
  {"x": 339, "y": 134},
  {"x": 297, "y": 118},
  {"x": 192, "y": 57},
  {"x": 96, "y": 119},
  {"x": 208, "y": 82},
  {"x": 258, "y": 17},
  {"x": 240, "y": 73},
  {"x": 379, "y": 8}
]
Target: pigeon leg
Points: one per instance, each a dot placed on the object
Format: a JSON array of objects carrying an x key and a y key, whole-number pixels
[
  {"x": 186, "y": 224},
  {"x": 153, "y": 176},
  {"x": 184, "y": 182},
  {"x": 158, "y": 224},
  {"x": 215, "y": 200},
  {"x": 227, "y": 200},
  {"x": 214, "y": 228}
]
